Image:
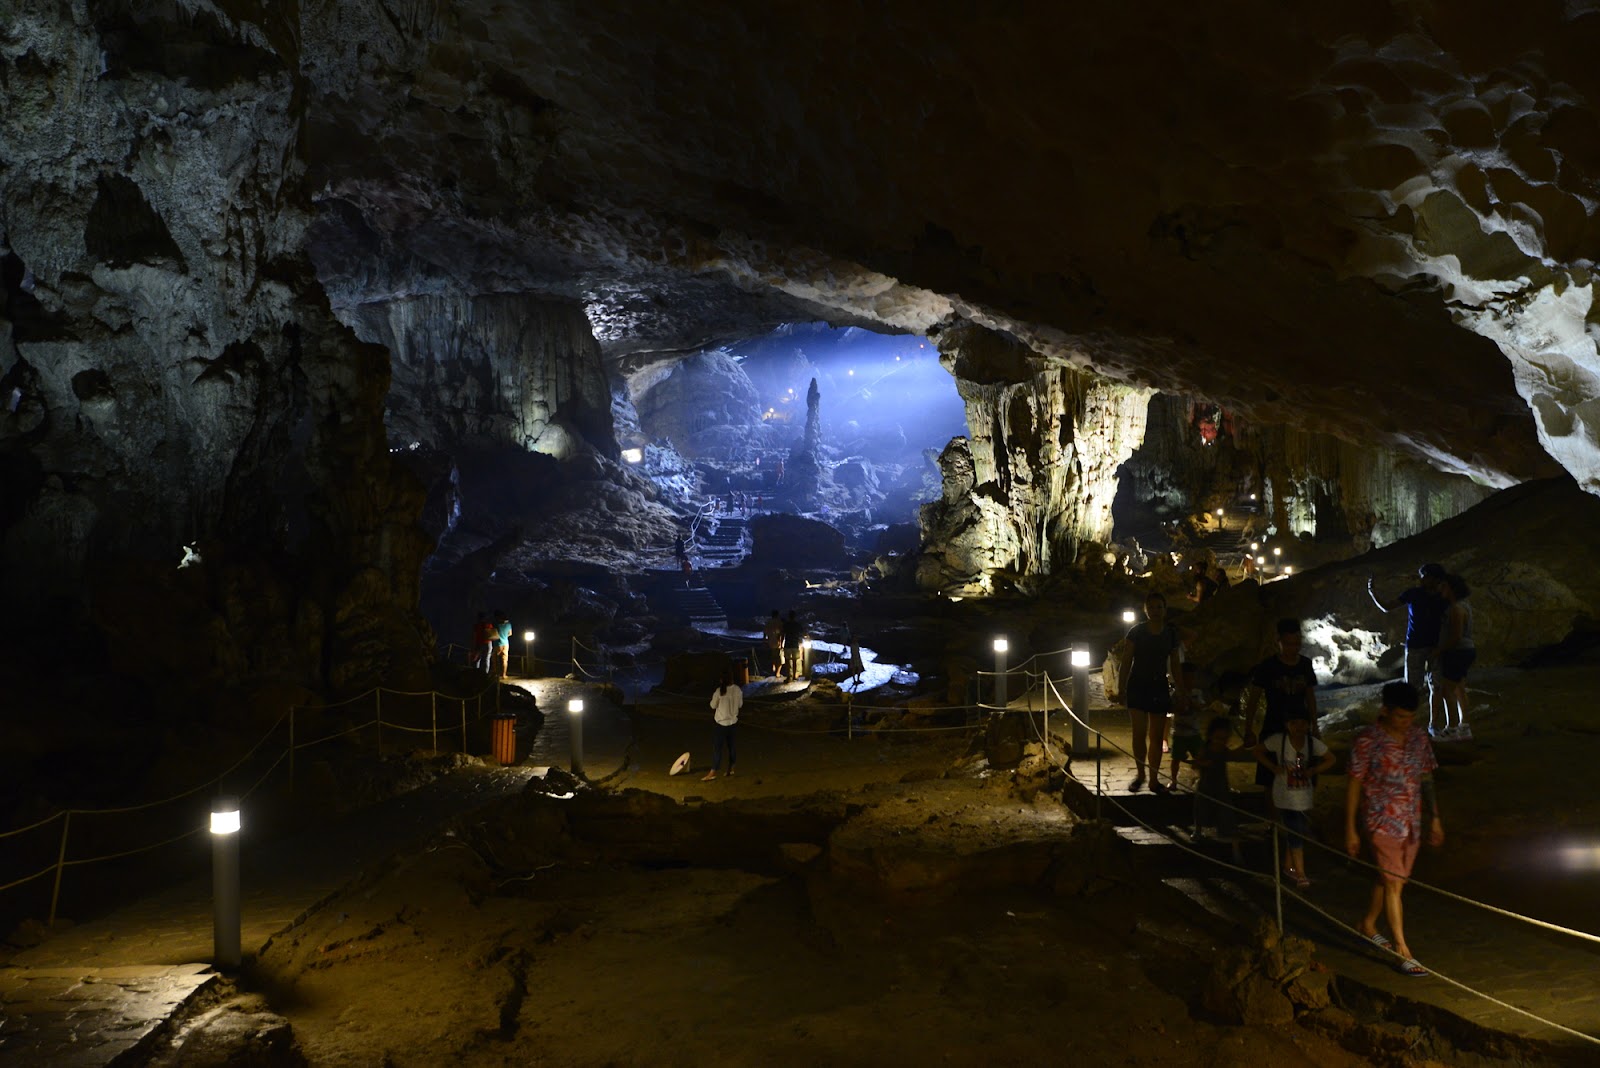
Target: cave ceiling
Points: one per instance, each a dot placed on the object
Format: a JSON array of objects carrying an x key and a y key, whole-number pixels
[{"x": 1374, "y": 219}]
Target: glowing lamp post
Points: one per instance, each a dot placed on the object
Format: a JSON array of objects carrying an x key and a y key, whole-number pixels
[
  {"x": 1001, "y": 647},
  {"x": 632, "y": 456},
  {"x": 527, "y": 659},
  {"x": 1255, "y": 546},
  {"x": 1287, "y": 570},
  {"x": 225, "y": 923},
  {"x": 1080, "y": 698},
  {"x": 575, "y": 731},
  {"x": 1129, "y": 617}
]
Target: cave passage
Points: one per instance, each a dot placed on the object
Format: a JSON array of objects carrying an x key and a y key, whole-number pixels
[{"x": 742, "y": 416}]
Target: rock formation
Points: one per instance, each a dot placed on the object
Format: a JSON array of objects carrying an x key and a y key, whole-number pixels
[{"x": 1039, "y": 473}]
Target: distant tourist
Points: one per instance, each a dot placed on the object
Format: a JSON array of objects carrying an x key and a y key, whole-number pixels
[
  {"x": 1391, "y": 775},
  {"x": 500, "y": 638},
  {"x": 773, "y": 633},
  {"x": 1457, "y": 651},
  {"x": 725, "y": 705},
  {"x": 482, "y": 642},
  {"x": 1424, "y": 618},
  {"x": 1293, "y": 756},
  {"x": 1152, "y": 656},
  {"x": 793, "y": 635}
]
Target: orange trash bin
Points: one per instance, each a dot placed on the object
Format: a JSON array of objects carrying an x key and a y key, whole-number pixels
[
  {"x": 503, "y": 738},
  {"x": 741, "y": 670}
]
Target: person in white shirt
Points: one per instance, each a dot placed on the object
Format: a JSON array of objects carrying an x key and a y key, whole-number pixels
[
  {"x": 725, "y": 703},
  {"x": 1293, "y": 757}
]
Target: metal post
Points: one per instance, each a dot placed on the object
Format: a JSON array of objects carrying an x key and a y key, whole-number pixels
[
  {"x": 1001, "y": 647},
  {"x": 1277, "y": 877},
  {"x": 1099, "y": 744},
  {"x": 433, "y": 717},
  {"x": 849, "y": 718},
  {"x": 61, "y": 866},
  {"x": 463, "y": 724},
  {"x": 291, "y": 749},
  {"x": 380, "y": 721},
  {"x": 1080, "y": 696},
  {"x": 225, "y": 922},
  {"x": 575, "y": 732}
]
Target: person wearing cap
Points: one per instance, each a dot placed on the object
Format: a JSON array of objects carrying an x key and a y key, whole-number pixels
[{"x": 1425, "y": 608}]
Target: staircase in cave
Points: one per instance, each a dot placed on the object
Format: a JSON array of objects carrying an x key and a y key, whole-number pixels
[
  {"x": 699, "y": 607},
  {"x": 725, "y": 545}
]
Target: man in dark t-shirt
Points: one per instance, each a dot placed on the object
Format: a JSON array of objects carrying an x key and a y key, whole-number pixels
[
  {"x": 1425, "y": 608},
  {"x": 1286, "y": 682}
]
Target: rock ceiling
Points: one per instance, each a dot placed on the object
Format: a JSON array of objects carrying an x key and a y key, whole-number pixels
[{"x": 1372, "y": 218}]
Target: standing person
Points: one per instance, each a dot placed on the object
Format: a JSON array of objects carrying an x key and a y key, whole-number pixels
[
  {"x": 1154, "y": 656},
  {"x": 500, "y": 639},
  {"x": 1424, "y": 618},
  {"x": 1391, "y": 766},
  {"x": 1202, "y": 587},
  {"x": 793, "y": 635},
  {"x": 482, "y": 642},
  {"x": 1287, "y": 682},
  {"x": 773, "y": 633},
  {"x": 1186, "y": 738},
  {"x": 1213, "y": 804},
  {"x": 1457, "y": 651},
  {"x": 725, "y": 705},
  {"x": 1293, "y": 757}
]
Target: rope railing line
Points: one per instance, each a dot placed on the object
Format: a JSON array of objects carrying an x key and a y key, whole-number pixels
[
  {"x": 137, "y": 849},
  {"x": 237, "y": 764},
  {"x": 27, "y": 878},
  {"x": 264, "y": 775},
  {"x": 1263, "y": 878},
  {"x": 1314, "y": 907},
  {"x": 59, "y": 814},
  {"x": 351, "y": 729},
  {"x": 1531, "y": 920}
]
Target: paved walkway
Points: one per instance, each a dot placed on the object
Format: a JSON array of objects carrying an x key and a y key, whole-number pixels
[{"x": 1554, "y": 976}]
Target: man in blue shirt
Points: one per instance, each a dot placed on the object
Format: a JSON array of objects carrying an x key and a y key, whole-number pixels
[{"x": 1424, "y": 619}]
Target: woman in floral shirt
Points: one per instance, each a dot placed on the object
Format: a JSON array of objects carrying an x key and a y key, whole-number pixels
[{"x": 1391, "y": 767}]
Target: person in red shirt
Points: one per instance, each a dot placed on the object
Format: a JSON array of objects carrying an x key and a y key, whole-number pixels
[{"x": 1391, "y": 766}]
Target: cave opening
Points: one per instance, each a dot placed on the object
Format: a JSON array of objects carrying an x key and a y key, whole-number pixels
[{"x": 841, "y": 424}]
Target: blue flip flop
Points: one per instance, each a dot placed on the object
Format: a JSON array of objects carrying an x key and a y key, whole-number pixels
[{"x": 1410, "y": 967}]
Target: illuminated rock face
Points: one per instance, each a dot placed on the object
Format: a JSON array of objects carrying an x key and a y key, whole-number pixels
[
  {"x": 1039, "y": 473},
  {"x": 487, "y": 370},
  {"x": 1337, "y": 492},
  {"x": 173, "y": 372}
]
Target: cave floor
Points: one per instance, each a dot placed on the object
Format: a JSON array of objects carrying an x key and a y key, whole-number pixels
[{"x": 589, "y": 958}]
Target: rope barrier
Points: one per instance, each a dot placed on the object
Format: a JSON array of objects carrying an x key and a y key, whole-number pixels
[
  {"x": 34, "y": 826},
  {"x": 1277, "y": 882}
]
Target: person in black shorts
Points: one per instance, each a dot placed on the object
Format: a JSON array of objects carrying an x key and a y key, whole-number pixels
[{"x": 1150, "y": 671}]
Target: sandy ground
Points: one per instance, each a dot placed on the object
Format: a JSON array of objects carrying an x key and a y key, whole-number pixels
[{"x": 883, "y": 899}]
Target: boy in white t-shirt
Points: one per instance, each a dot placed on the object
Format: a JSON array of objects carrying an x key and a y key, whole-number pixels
[{"x": 1294, "y": 757}]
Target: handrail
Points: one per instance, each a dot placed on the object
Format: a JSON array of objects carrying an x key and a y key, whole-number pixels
[{"x": 1277, "y": 879}]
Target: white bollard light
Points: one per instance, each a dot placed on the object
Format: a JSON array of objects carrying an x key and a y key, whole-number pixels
[
  {"x": 575, "y": 732},
  {"x": 225, "y": 920},
  {"x": 1001, "y": 647},
  {"x": 1129, "y": 617},
  {"x": 1080, "y": 698}
]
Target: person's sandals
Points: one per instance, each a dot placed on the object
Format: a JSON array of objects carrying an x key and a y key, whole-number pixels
[
  {"x": 709, "y": 776},
  {"x": 1410, "y": 967},
  {"x": 1137, "y": 784},
  {"x": 1159, "y": 787},
  {"x": 1379, "y": 939},
  {"x": 1300, "y": 880}
]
